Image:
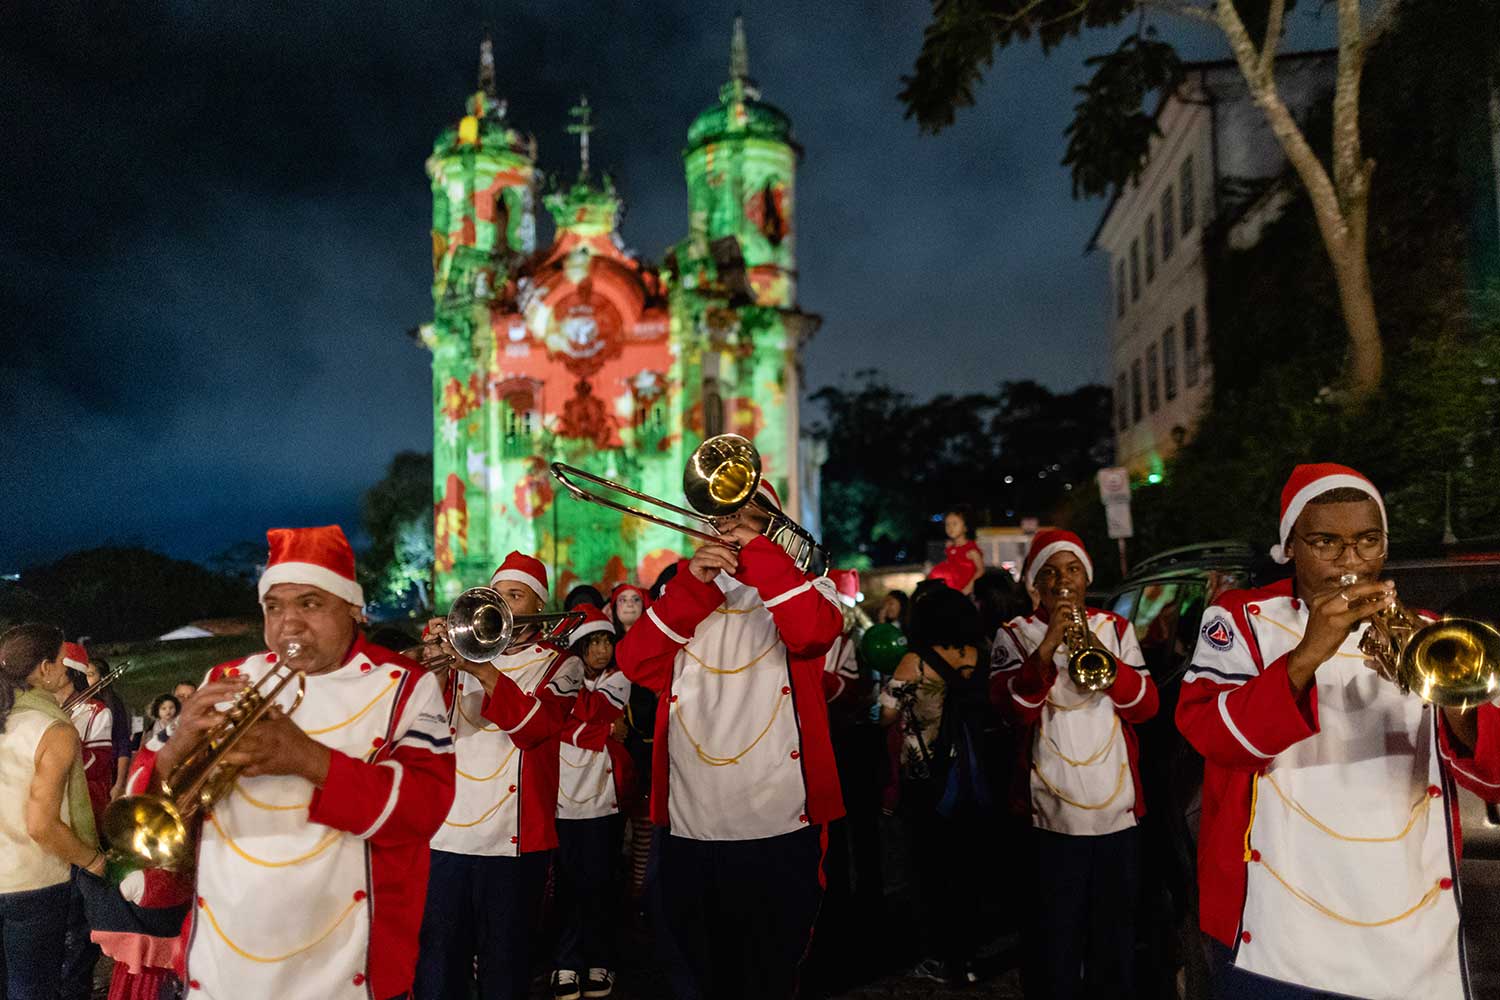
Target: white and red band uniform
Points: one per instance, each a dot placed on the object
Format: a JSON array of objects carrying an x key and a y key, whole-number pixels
[
  {"x": 597, "y": 774},
  {"x": 318, "y": 892},
  {"x": 94, "y": 721},
  {"x": 841, "y": 664},
  {"x": 1329, "y": 812},
  {"x": 505, "y": 803},
  {"x": 1080, "y": 757},
  {"x": 742, "y": 748}
]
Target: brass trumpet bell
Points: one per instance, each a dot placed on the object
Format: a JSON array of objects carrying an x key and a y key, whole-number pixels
[{"x": 148, "y": 831}]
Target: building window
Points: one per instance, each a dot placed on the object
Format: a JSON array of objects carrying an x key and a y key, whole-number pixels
[
  {"x": 1120, "y": 288},
  {"x": 1122, "y": 402},
  {"x": 1150, "y": 247},
  {"x": 1190, "y": 347},
  {"x": 1169, "y": 363},
  {"x": 1135, "y": 270},
  {"x": 1168, "y": 232},
  {"x": 1189, "y": 206},
  {"x": 1153, "y": 394},
  {"x": 1137, "y": 397}
]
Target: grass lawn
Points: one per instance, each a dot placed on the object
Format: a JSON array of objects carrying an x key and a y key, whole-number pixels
[{"x": 156, "y": 665}]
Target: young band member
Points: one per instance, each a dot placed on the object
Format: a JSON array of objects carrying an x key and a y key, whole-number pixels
[
  {"x": 95, "y": 724},
  {"x": 744, "y": 771},
  {"x": 963, "y": 563},
  {"x": 841, "y": 679},
  {"x": 489, "y": 858},
  {"x": 596, "y": 781},
  {"x": 1079, "y": 777},
  {"x": 1327, "y": 857},
  {"x": 311, "y": 871}
]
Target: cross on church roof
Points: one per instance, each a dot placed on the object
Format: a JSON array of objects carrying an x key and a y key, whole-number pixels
[{"x": 581, "y": 127}]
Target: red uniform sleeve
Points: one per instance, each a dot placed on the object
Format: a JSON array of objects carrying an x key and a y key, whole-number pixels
[
  {"x": 806, "y": 617},
  {"x": 593, "y": 716},
  {"x": 1133, "y": 692},
  {"x": 649, "y": 650},
  {"x": 403, "y": 796},
  {"x": 532, "y": 719},
  {"x": 1019, "y": 680},
  {"x": 1477, "y": 769},
  {"x": 1235, "y": 712}
]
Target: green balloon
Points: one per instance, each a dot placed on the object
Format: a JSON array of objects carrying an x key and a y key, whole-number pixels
[{"x": 882, "y": 647}]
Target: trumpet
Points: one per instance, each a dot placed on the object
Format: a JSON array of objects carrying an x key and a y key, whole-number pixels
[
  {"x": 1450, "y": 663},
  {"x": 79, "y": 697},
  {"x": 1090, "y": 666},
  {"x": 481, "y": 626},
  {"x": 721, "y": 479},
  {"x": 159, "y": 829}
]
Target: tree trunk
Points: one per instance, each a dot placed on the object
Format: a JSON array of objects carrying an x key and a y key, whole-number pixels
[{"x": 1366, "y": 362}]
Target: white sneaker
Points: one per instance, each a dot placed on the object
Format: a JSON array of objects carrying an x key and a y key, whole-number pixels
[
  {"x": 565, "y": 985},
  {"x": 598, "y": 983}
]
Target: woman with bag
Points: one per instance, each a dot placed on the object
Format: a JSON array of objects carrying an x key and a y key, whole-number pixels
[{"x": 938, "y": 695}]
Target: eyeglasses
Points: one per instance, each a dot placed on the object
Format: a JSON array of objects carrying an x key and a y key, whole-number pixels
[{"x": 1330, "y": 548}]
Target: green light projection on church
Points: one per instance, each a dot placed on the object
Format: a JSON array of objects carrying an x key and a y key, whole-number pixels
[{"x": 582, "y": 353}]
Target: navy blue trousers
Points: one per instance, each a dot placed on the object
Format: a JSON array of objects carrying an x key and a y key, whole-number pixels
[
  {"x": 80, "y": 953},
  {"x": 742, "y": 911},
  {"x": 482, "y": 908},
  {"x": 1086, "y": 909},
  {"x": 32, "y": 925},
  {"x": 587, "y": 883}
]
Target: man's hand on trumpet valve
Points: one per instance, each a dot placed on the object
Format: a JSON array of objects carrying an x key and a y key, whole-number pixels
[
  {"x": 1331, "y": 616},
  {"x": 198, "y": 715},
  {"x": 277, "y": 745},
  {"x": 711, "y": 559}
]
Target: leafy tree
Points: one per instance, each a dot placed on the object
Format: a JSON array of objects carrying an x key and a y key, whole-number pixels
[
  {"x": 397, "y": 515},
  {"x": 1110, "y": 134}
]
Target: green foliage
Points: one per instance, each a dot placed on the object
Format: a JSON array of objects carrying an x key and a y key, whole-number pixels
[
  {"x": 1111, "y": 131},
  {"x": 124, "y": 593},
  {"x": 156, "y": 666},
  {"x": 894, "y": 463},
  {"x": 397, "y": 515}
]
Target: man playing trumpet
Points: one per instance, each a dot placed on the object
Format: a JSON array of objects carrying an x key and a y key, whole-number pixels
[
  {"x": 1327, "y": 856},
  {"x": 311, "y": 872}
]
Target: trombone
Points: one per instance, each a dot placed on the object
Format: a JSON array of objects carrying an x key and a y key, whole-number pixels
[
  {"x": 77, "y": 698},
  {"x": 721, "y": 479},
  {"x": 159, "y": 829},
  {"x": 1450, "y": 663},
  {"x": 481, "y": 626}
]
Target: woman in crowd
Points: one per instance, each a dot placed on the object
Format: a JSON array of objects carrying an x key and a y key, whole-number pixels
[
  {"x": 46, "y": 822},
  {"x": 938, "y": 685},
  {"x": 594, "y": 783},
  {"x": 893, "y": 609}
]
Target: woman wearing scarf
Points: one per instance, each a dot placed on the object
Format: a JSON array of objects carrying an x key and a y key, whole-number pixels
[{"x": 46, "y": 823}]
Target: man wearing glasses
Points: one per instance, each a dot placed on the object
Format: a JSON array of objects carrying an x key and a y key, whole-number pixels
[{"x": 1329, "y": 843}]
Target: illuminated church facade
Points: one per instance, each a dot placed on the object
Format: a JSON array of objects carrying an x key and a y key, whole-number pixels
[{"x": 580, "y": 352}]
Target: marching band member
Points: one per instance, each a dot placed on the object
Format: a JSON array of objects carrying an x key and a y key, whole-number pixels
[
  {"x": 1328, "y": 852},
  {"x": 744, "y": 770},
  {"x": 1081, "y": 783},
  {"x": 627, "y": 604},
  {"x": 596, "y": 781},
  {"x": 95, "y": 724},
  {"x": 841, "y": 679},
  {"x": 311, "y": 871},
  {"x": 490, "y": 856}
]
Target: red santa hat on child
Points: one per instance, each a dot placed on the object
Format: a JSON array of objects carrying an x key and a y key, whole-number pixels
[
  {"x": 521, "y": 568},
  {"x": 846, "y": 582},
  {"x": 621, "y": 588},
  {"x": 593, "y": 621},
  {"x": 317, "y": 557},
  {"x": 75, "y": 657},
  {"x": 1047, "y": 544},
  {"x": 1309, "y": 481}
]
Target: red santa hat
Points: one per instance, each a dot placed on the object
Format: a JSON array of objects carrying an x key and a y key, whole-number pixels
[
  {"x": 317, "y": 557},
  {"x": 1047, "y": 544},
  {"x": 521, "y": 568},
  {"x": 846, "y": 582},
  {"x": 621, "y": 588},
  {"x": 1309, "y": 481},
  {"x": 75, "y": 657},
  {"x": 766, "y": 492},
  {"x": 593, "y": 621}
]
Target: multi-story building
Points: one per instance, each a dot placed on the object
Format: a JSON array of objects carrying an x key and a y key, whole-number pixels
[{"x": 1212, "y": 160}]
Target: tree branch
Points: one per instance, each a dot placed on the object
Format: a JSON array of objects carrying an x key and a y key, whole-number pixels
[
  {"x": 1349, "y": 174},
  {"x": 1191, "y": 11},
  {"x": 1384, "y": 19},
  {"x": 1274, "y": 18}
]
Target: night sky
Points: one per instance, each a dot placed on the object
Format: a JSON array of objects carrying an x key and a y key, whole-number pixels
[{"x": 214, "y": 229}]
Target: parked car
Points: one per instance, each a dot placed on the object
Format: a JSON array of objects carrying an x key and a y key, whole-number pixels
[{"x": 1164, "y": 598}]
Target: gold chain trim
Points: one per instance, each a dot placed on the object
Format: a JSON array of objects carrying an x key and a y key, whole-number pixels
[
  {"x": 459, "y": 696},
  {"x": 734, "y": 611},
  {"x": 1293, "y": 632},
  {"x": 713, "y": 760},
  {"x": 273, "y": 959},
  {"x": 1418, "y": 810},
  {"x": 480, "y": 726},
  {"x": 1085, "y": 703},
  {"x": 1428, "y": 898},
  {"x": 357, "y": 715},
  {"x": 268, "y": 806},
  {"x": 487, "y": 813},
  {"x": 322, "y": 846},
  {"x": 1119, "y": 784},
  {"x": 604, "y": 780},
  {"x": 735, "y": 670},
  {"x": 1094, "y": 757},
  {"x": 493, "y": 774}
]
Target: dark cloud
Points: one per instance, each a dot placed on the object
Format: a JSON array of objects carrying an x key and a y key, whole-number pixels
[{"x": 213, "y": 230}]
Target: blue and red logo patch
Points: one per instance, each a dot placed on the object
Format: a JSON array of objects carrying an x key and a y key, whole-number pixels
[{"x": 1218, "y": 634}]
